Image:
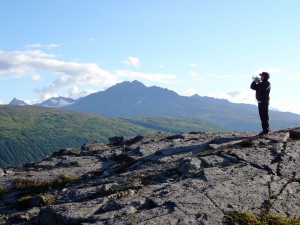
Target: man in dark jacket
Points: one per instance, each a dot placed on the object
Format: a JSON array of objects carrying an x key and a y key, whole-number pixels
[{"x": 263, "y": 87}]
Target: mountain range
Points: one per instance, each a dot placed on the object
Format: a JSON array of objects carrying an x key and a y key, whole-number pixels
[
  {"x": 134, "y": 99},
  {"x": 54, "y": 102}
]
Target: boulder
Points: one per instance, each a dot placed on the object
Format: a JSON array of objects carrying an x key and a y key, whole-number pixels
[
  {"x": 116, "y": 140},
  {"x": 295, "y": 133}
]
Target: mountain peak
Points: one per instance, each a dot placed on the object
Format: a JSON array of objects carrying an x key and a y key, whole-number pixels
[
  {"x": 138, "y": 83},
  {"x": 17, "y": 102},
  {"x": 126, "y": 88},
  {"x": 128, "y": 84}
]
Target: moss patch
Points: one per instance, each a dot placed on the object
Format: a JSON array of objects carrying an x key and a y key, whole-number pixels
[{"x": 239, "y": 218}]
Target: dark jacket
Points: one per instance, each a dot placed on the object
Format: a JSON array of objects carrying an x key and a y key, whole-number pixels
[{"x": 262, "y": 90}]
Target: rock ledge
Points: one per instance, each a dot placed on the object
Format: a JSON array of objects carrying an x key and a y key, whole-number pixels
[{"x": 194, "y": 178}]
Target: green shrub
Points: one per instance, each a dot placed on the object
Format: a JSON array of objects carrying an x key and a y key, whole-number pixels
[{"x": 34, "y": 186}]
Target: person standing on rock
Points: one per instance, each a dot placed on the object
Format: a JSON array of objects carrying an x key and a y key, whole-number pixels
[{"x": 262, "y": 87}]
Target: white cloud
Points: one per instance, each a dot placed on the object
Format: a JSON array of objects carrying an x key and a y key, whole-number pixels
[
  {"x": 75, "y": 93},
  {"x": 33, "y": 46},
  {"x": 40, "y": 46},
  {"x": 133, "y": 61},
  {"x": 1, "y": 102},
  {"x": 24, "y": 64},
  {"x": 67, "y": 76},
  {"x": 247, "y": 96},
  {"x": 92, "y": 39},
  {"x": 36, "y": 77},
  {"x": 193, "y": 65},
  {"x": 73, "y": 90},
  {"x": 72, "y": 73},
  {"x": 154, "y": 77},
  {"x": 196, "y": 77},
  {"x": 189, "y": 92},
  {"x": 32, "y": 101}
]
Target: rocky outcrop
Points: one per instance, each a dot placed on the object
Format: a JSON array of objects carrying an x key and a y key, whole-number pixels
[{"x": 193, "y": 178}]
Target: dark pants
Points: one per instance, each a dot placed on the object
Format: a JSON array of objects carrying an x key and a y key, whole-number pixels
[{"x": 263, "y": 109}]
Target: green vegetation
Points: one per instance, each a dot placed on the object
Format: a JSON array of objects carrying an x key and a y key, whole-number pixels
[
  {"x": 24, "y": 184},
  {"x": 32, "y": 192},
  {"x": 238, "y": 218},
  {"x": 30, "y": 133},
  {"x": 32, "y": 185},
  {"x": 176, "y": 124},
  {"x": 25, "y": 202}
]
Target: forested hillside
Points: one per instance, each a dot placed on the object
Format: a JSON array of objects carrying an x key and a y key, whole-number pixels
[{"x": 29, "y": 133}]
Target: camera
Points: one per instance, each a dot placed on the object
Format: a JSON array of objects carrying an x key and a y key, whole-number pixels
[{"x": 256, "y": 79}]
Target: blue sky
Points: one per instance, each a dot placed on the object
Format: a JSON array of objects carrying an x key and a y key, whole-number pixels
[{"x": 211, "y": 48}]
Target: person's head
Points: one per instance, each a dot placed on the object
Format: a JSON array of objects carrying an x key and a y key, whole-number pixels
[{"x": 264, "y": 76}]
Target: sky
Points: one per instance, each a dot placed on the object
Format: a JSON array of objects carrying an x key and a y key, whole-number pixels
[{"x": 73, "y": 48}]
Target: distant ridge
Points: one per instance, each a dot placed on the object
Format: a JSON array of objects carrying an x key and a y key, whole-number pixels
[
  {"x": 134, "y": 99},
  {"x": 57, "y": 102}
]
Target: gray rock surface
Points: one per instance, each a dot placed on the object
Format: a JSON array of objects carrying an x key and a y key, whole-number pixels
[{"x": 193, "y": 178}]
